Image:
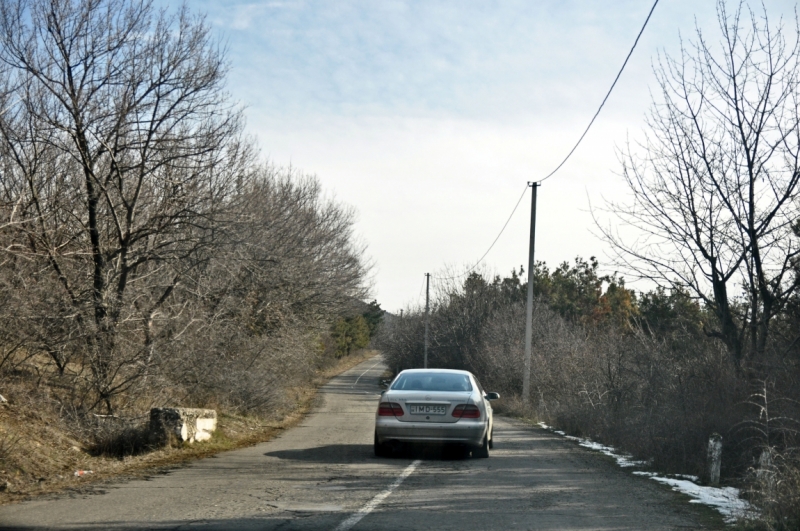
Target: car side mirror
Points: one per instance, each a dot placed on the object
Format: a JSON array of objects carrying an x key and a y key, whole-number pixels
[
  {"x": 383, "y": 392},
  {"x": 492, "y": 396}
]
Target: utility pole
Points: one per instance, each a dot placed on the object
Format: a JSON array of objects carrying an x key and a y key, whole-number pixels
[
  {"x": 526, "y": 375},
  {"x": 427, "y": 314}
]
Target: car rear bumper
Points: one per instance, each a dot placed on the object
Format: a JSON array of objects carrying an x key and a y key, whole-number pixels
[{"x": 462, "y": 432}]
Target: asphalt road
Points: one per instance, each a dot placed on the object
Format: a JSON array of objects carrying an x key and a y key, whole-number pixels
[{"x": 322, "y": 475}]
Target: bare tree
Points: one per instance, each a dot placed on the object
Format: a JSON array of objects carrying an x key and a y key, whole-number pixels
[
  {"x": 300, "y": 257},
  {"x": 715, "y": 183},
  {"x": 119, "y": 153},
  {"x": 258, "y": 310}
]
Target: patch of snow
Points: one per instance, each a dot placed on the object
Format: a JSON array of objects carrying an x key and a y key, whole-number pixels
[
  {"x": 724, "y": 499},
  {"x": 623, "y": 460}
]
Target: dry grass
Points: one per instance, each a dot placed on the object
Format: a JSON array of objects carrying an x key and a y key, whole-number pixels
[{"x": 38, "y": 456}]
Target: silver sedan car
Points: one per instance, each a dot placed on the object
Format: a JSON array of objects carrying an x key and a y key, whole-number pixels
[{"x": 435, "y": 406}]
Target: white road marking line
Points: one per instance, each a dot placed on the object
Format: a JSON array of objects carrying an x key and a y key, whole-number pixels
[
  {"x": 374, "y": 502},
  {"x": 365, "y": 372}
]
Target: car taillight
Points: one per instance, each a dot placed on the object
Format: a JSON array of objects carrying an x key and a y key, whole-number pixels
[
  {"x": 466, "y": 411},
  {"x": 390, "y": 409}
]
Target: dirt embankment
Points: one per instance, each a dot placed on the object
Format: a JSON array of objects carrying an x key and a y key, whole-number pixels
[{"x": 39, "y": 456}]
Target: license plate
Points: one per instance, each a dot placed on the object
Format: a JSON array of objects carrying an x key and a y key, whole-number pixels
[{"x": 426, "y": 409}]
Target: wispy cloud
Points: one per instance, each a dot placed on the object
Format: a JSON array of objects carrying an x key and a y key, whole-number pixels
[{"x": 469, "y": 58}]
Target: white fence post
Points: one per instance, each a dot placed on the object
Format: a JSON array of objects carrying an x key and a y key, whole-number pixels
[
  {"x": 766, "y": 471},
  {"x": 714, "y": 458}
]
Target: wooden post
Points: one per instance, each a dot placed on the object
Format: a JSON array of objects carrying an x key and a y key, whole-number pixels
[
  {"x": 526, "y": 368},
  {"x": 427, "y": 315},
  {"x": 714, "y": 458}
]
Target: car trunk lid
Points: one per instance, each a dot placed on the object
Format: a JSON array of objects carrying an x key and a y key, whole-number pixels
[{"x": 430, "y": 406}]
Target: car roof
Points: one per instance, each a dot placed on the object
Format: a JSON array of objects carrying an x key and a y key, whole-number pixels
[{"x": 452, "y": 371}]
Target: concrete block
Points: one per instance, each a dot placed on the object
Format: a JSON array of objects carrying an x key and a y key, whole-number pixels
[{"x": 182, "y": 423}]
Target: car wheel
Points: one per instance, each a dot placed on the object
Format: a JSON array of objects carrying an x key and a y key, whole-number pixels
[
  {"x": 482, "y": 450},
  {"x": 491, "y": 438},
  {"x": 381, "y": 450}
]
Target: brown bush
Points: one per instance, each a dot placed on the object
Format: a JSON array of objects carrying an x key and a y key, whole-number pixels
[{"x": 656, "y": 387}]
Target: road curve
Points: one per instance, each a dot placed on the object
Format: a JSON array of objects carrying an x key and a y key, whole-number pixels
[{"x": 322, "y": 475}]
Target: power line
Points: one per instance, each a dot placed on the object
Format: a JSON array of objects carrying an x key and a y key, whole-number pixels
[
  {"x": 596, "y": 114},
  {"x": 471, "y": 269},
  {"x": 607, "y": 95},
  {"x": 421, "y": 288}
]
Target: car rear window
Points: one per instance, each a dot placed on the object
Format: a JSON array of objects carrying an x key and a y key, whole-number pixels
[{"x": 432, "y": 381}]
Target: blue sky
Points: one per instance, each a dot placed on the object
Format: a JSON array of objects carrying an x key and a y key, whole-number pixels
[
  {"x": 472, "y": 60},
  {"x": 428, "y": 117}
]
